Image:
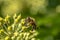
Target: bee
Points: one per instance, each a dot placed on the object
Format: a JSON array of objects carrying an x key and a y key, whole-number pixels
[{"x": 32, "y": 22}]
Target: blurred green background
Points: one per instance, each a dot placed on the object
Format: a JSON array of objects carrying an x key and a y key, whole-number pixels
[{"x": 46, "y": 13}]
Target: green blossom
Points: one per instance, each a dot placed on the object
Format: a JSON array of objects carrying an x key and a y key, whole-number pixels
[{"x": 16, "y": 30}]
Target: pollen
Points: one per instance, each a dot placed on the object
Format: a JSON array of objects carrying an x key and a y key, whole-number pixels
[
  {"x": 19, "y": 16},
  {"x": 9, "y": 28},
  {"x": 23, "y": 27},
  {"x": 16, "y": 20},
  {"x": 16, "y": 33},
  {"x": 7, "y": 38},
  {"x": 1, "y": 19},
  {"x": 6, "y": 18},
  {"x": 1, "y": 31},
  {"x": 22, "y": 21}
]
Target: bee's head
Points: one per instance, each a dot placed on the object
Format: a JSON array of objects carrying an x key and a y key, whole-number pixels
[{"x": 28, "y": 19}]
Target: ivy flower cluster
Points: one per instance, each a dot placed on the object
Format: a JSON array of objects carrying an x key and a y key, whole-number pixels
[{"x": 16, "y": 28}]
